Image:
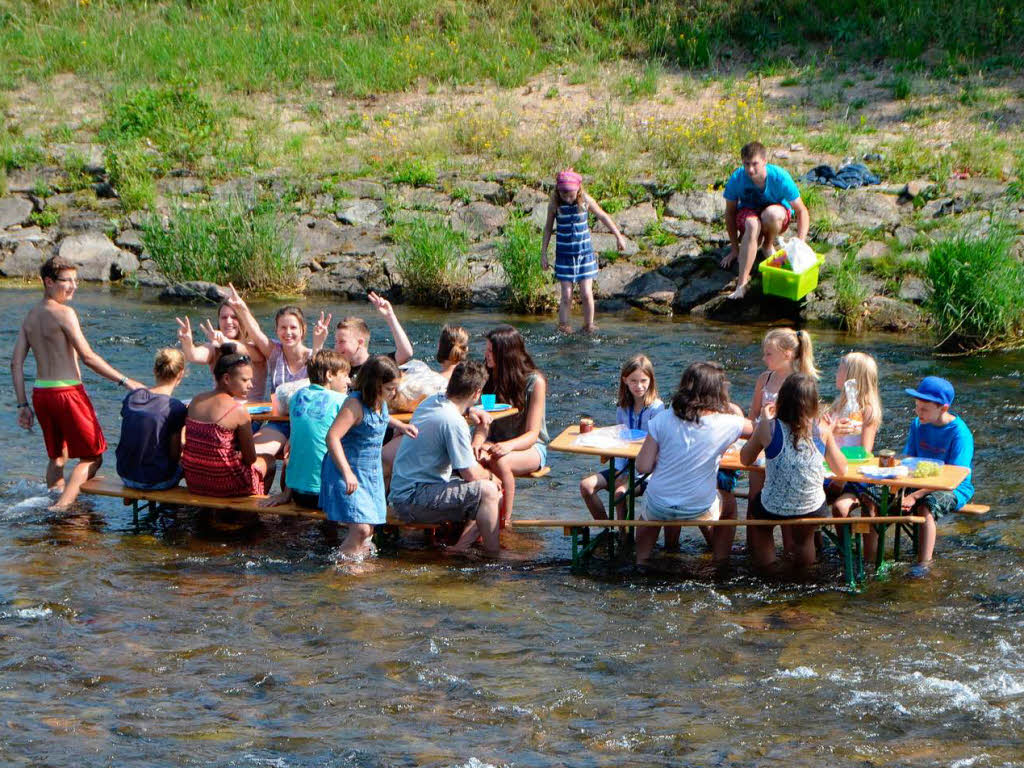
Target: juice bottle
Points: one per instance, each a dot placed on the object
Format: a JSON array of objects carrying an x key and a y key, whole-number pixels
[{"x": 851, "y": 409}]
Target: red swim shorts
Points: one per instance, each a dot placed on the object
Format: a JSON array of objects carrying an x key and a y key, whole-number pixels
[
  {"x": 67, "y": 419},
  {"x": 746, "y": 213}
]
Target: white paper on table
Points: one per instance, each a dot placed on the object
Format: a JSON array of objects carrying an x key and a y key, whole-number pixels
[
  {"x": 884, "y": 473},
  {"x": 618, "y": 436}
]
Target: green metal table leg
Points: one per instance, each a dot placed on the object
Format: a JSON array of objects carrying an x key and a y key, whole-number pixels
[
  {"x": 858, "y": 542},
  {"x": 135, "y": 513},
  {"x": 847, "y": 551},
  {"x": 575, "y": 533},
  {"x": 611, "y": 503},
  {"x": 631, "y": 504}
]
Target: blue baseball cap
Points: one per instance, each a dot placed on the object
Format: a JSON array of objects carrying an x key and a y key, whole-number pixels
[{"x": 934, "y": 389}]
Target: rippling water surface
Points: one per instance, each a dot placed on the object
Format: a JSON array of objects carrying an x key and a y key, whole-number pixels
[{"x": 182, "y": 643}]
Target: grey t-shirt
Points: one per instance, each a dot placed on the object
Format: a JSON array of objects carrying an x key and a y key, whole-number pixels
[{"x": 444, "y": 443}]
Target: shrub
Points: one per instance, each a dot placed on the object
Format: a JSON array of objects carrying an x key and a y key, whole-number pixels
[
  {"x": 414, "y": 172},
  {"x": 431, "y": 263},
  {"x": 225, "y": 242},
  {"x": 529, "y": 286},
  {"x": 129, "y": 168},
  {"x": 977, "y": 302},
  {"x": 850, "y": 292}
]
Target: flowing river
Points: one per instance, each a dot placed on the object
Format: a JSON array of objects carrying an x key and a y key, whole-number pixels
[{"x": 181, "y": 643}]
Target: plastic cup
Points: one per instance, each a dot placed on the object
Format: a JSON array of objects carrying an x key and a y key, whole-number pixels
[{"x": 487, "y": 401}]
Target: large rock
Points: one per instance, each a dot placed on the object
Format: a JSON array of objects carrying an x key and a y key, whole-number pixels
[
  {"x": 872, "y": 251},
  {"x": 325, "y": 241},
  {"x": 685, "y": 227},
  {"x": 24, "y": 261},
  {"x": 604, "y": 242},
  {"x": 539, "y": 217},
  {"x": 935, "y": 209},
  {"x": 613, "y": 279},
  {"x": 651, "y": 291},
  {"x": 491, "y": 191},
  {"x": 423, "y": 198},
  {"x": 888, "y": 314},
  {"x": 74, "y": 221},
  {"x": 353, "y": 276},
  {"x": 635, "y": 221},
  {"x": 130, "y": 240},
  {"x": 97, "y": 258},
  {"x": 14, "y": 211},
  {"x": 528, "y": 199},
  {"x": 479, "y": 219},
  {"x": 487, "y": 286},
  {"x": 700, "y": 289},
  {"x": 914, "y": 289},
  {"x": 193, "y": 290},
  {"x": 180, "y": 186},
  {"x": 859, "y": 209},
  {"x": 361, "y": 213},
  {"x": 11, "y": 239},
  {"x": 362, "y": 188},
  {"x": 243, "y": 191},
  {"x": 707, "y": 207}
]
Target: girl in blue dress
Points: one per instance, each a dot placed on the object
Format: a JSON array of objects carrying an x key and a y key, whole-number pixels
[
  {"x": 352, "y": 476},
  {"x": 575, "y": 262}
]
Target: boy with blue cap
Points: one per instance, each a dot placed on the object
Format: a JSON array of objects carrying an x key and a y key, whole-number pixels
[{"x": 940, "y": 436}]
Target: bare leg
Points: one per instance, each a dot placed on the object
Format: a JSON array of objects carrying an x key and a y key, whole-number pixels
[
  {"x": 564, "y": 306},
  {"x": 587, "y": 300},
  {"x": 646, "y": 538},
  {"x": 356, "y": 540},
  {"x": 55, "y": 472},
  {"x": 804, "y": 553},
  {"x": 86, "y": 468},
  {"x": 269, "y": 441},
  {"x": 486, "y": 524},
  {"x": 772, "y": 218},
  {"x": 590, "y": 490},
  {"x": 761, "y": 542},
  {"x": 517, "y": 463},
  {"x": 387, "y": 457},
  {"x": 672, "y": 533},
  {"x": 926, "y": 533},
  {"x": 748, "y": 251},
  {"x": 722, "y": 536}
]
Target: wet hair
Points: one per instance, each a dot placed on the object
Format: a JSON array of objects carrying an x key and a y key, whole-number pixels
[
  {"x": 229, "y": 358},
  {"x": 453, "y": 344},
  {"x": 53, "y": 266},
  {"x": 863, "y": 369},
  {"x": 637, "y": 363},
  {"x": 797, "y": 405},
  {"x": 702, "y": 387},
  {"x": 357, "y": 325},
  {"x": 168, "y": 364},
  {"x": 752, "y": 150},
  {"x": 295, "y": 312},
  {"x": 325, "y": 361},
  {"x": 512, "y": 366},
  {"x": 797, "y": 342},
  {"x": 373, "y": 375},
  {"x": 468, "y": 377}
]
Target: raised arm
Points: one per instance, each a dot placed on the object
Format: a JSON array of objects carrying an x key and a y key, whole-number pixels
[
  {"x": 403, "y": 347},
  {"x": 69, "y": 324},
  {"x": 248, "y": 322},
  {"x": 201, "y": 355},
  {"x": 21, "y": 347}
]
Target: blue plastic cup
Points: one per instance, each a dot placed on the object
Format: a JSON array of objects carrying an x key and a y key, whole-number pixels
[{"x": 487, "y": 401}]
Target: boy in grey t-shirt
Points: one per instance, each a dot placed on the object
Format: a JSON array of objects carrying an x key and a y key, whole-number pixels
[{"x": 422, "y": 487}]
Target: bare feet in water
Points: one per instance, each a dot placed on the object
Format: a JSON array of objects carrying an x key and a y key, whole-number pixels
[
  {"x": 563, "y": 328},
  {"x": 592, "y": 328},
  {"x": 740, "y": 292}
]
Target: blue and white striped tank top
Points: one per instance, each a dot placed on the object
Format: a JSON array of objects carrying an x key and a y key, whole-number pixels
[{"x": 572, "y": 239}]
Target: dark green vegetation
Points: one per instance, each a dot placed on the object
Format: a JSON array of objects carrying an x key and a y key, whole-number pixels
[
  {"x": 529, "y": 287},
  {"x": 367, "y": 47},
  {"x": 432, "y": 263}
]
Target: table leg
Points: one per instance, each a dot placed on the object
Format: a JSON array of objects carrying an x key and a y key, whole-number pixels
[
  {"x": 631, "y": 504},
  {"x": 847, "y": 552},
  {"x": 611, "y": 506},
  {"x": 575, "y": 533}
]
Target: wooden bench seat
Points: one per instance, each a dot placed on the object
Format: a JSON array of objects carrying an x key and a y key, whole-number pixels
[
  {"x": 973, "y": 509},
  {"x": 592, "y": 523},
  {"x": 539, "y": 473}
]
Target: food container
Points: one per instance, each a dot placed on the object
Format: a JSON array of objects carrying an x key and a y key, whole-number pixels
[
  {"x": 886, "y": 458},
  {"x": 586, "y": 425}
]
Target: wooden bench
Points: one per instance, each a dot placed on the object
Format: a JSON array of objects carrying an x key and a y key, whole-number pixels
[
  {"x": 539, "y": 473},
  {"x": 973, "y": 509}
]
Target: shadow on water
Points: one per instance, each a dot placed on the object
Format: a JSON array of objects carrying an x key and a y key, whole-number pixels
[{"x": 193, "y": 640}]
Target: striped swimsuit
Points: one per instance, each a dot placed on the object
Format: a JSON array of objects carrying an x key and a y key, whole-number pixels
[{"x": 574, "y": 253}]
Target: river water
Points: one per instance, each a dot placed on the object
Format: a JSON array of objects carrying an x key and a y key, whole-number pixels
[{"x": 181, "y": 643}]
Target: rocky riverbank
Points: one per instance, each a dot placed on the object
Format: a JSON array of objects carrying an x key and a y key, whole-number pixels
[{"x": 342, "y": 244}]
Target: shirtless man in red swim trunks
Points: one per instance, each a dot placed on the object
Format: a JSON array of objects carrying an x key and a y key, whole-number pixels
[{"x": 66, "y": 416}]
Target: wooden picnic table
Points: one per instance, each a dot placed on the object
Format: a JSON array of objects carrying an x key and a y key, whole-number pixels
[
  {"x": 948, "y": 478},
  {"x": 404, "y": 416}
]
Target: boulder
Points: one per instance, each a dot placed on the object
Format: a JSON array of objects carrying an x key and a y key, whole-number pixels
[
  {"x": 887, "y": 314},
  {"x": 528, "y": 198},
  {"x": 613, "y": 279},
  {"x": 487, "y": 284},
  {"x": 539, "y": 217},
  {"x": 707, "y": 207},
  {"x": 361, "y": 213},
  {"x": 935, "y": 209},
  {"x": 22, "y": 181},
  {"x": 149, "y": 278},
  {"x": 24, "y": 261},
  {"x": 14, "y": 211},
  {"x": 685, "y": 228},
  {"x": 97, "y": 258},
  {"x": 700, "y": 289},
  {"x": 193, "y": 290},
  {"x": 918, "y": 187},
  {"x": 651, "y": 291},
  {"x": 872, "y": 250},
  {"x": 914, "y": 290},
  {"x": 479, "y": 219},
  {"x": 423, "y": 198},
  {"x": 604, "y": 242},
  {"x": 130, "y": 240},
  {"x": 243, "y": 190},
  {"x": 905, "y": 235},
  {"x": 74, "y": 221},
  {"x": 860, "y": 209},
  {"x": 362, "y": 188},
  {"x": 837, "y": 239},
  {"x": 11, "y": 239},
  {"x": 491, "y": 191},
  {"x": 634, "y": 221},
  {"x": 353, "y": 277},
  {"x": 180, "y": 186},
  {"x": 321, "y": 239}
]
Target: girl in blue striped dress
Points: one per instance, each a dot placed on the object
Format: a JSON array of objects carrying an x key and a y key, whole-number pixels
[{"x": 575, "y": 262}]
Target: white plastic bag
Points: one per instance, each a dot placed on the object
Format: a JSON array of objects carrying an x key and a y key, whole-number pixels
[
  {"x": 284, "y": 393},
  {"x": 800, "y": 255},
  {"x": 418, "y": 383}
]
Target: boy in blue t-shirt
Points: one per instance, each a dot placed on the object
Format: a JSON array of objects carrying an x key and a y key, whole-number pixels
[
  {"x": 311, "y": 412},
  {"x": 937, "y": 435},
  {"x": 760, "y": 201}
]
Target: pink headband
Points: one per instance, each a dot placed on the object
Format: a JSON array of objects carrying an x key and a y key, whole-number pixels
[{"x": 568, "y": 180}]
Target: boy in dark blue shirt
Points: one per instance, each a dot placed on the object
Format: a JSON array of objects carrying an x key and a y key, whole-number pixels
[{"x": 937, "y": 435}]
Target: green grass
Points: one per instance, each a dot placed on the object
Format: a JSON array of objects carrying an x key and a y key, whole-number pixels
[
  {"x": 642, "y": 86},
  {"x": 850, "y": 292},
  {"x": 364, "y": 48},
  {"x": 976, "y": 300},
  {"x": 225, "y": 243},
  {"x": 431, "y": 263},
  {"x": 529, "y": 286}
]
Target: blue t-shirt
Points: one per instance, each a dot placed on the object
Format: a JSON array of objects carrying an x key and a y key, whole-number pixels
[
  {"x": 148, "y": 422},
  {"x": 949, "y": 444},
  {"x": 312, "y": 411},
  {"x": 444, "y": 443},
  {"x": 779, "y": 189}
]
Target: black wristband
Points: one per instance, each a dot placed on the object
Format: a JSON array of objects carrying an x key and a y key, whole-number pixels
[{"x": 23, "y": 405}]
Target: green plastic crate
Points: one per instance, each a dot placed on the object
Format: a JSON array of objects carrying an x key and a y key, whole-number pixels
[{"x": 789, "y": 285}]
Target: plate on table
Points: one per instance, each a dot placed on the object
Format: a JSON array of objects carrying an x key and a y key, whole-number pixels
[
  {"x": 256, "y": 410},
  {"x": 497, "y": 407}
]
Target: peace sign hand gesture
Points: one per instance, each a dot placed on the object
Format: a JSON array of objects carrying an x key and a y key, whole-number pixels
[
  {"x": 321, "y": 330},
  {"x": 184, "y": 331},
  {"x": 215, "y": 335}
]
